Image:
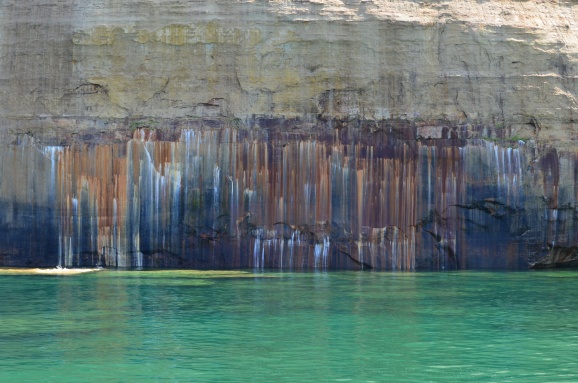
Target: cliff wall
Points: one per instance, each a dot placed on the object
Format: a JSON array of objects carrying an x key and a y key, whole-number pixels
[
  {"x": 509, "y": 64},
  {"x": 380, "y": 134}
]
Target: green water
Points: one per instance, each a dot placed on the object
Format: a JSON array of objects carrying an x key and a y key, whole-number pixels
[{"x": 117, "y": 326}]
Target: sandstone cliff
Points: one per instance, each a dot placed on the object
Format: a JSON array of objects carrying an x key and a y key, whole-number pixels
[
  {"x": 507, "y": 64},
  {"x": 288, "y": 134}
]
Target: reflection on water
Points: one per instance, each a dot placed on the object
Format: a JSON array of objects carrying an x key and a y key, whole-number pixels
[{"x": 237, "y": 326}]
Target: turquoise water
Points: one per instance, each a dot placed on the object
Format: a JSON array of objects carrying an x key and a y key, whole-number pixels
[{"x": 171, "y": 326}]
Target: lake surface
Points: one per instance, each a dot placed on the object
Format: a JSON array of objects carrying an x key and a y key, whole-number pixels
[{"x": 190, "y": 326}]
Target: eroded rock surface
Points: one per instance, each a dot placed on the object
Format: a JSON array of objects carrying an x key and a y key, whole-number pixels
[
  {"x": 558, "y": 257},
  {"x": 278, "y": 197},
  {"x": 508, "y": 64},
  {"x": 287, "y": 134}
]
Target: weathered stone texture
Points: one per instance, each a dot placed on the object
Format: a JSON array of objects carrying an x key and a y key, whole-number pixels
[
  {"x": 288, "y": 134},
  {"x": 509, "y": 64}
]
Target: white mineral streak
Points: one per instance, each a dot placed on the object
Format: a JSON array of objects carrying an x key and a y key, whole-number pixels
[{"x": 74, "y": 70}]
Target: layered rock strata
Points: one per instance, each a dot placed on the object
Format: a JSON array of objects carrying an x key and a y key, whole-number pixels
[
  {"x": 509, "y": 64},
  {"x": 285, "y": 134}
]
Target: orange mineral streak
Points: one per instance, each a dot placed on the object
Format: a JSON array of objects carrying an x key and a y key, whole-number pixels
[{"x": 230, "y": 198}]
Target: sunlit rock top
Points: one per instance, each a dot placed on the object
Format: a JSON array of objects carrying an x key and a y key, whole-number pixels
[{"x": 508, "y": 64}]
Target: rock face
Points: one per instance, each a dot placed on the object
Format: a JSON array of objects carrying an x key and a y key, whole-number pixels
[
  {"x": 558, "y": 257},
  {"x": 208, "y": 195},
  {"x": 508, "y": 64},
  {"x": 287, "y": 134}
]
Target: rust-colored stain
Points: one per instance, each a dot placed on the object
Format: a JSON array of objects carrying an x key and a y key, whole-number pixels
[{"x": 227, "y": 198}]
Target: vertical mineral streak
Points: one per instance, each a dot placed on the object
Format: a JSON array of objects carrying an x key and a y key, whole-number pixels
[{"x": 231, "y": 198}]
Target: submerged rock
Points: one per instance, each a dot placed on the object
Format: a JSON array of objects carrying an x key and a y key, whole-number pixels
[{"x": 52, "y": 271}]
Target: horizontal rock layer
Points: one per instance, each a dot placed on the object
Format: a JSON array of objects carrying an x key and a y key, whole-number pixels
[
  {"x": 508, "y": 64},
  {"x": 287, "y": 134}
]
